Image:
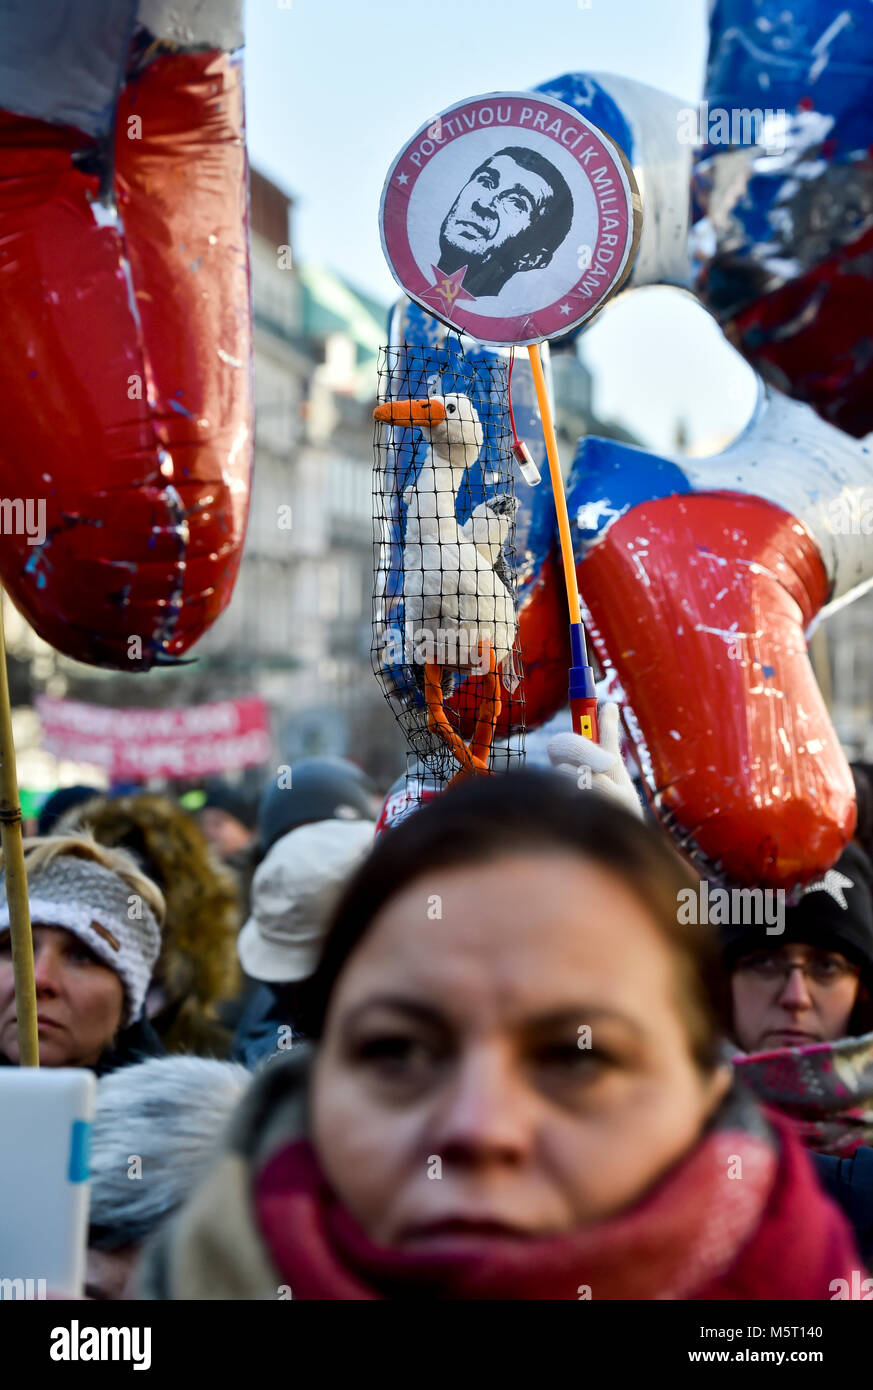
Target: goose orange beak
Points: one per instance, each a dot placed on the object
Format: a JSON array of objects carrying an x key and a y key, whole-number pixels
[{"x": 425, "y": 412}]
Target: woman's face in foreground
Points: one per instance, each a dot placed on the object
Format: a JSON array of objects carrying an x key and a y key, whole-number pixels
[{"x": 515, "y": 1067}]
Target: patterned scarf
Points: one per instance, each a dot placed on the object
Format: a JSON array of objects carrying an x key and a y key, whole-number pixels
[{"x": 826, "y": 1090}]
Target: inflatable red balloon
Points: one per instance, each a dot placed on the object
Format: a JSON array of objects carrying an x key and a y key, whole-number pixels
[
  {"x": 702, "y": 578},
  {"x": 125, "y": 360}
]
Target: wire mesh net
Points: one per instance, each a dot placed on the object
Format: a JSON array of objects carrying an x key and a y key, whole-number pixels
[{"x": 445, "y": 629}]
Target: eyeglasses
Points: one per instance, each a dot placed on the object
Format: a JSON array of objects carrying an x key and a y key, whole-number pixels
[{"x": 820, "y": 970}]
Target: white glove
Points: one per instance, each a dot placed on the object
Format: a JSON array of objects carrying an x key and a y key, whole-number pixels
[{"x": 597, "y": 766}]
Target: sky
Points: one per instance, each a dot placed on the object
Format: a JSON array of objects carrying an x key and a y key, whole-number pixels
[{"x": 335, "y": 87}]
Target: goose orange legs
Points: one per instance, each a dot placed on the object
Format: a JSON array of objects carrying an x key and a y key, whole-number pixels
[{"x": 472, "y": 757}]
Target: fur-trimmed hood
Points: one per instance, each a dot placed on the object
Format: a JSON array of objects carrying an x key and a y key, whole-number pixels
[{"x": 198, "y": 964}]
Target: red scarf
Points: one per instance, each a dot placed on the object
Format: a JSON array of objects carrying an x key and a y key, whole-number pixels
[{"x": 699, "y": 1234}]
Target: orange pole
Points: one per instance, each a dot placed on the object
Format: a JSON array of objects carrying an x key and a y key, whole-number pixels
[
  {"x": 583, "y": 702},
  {"x": 557, "y": 477}
]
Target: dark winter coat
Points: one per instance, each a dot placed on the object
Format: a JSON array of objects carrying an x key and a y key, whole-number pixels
[{"x": 134, "y": 1044}]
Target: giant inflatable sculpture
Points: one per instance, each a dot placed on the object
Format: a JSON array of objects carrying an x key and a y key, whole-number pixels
[
  {"x": 701, "y": 579},
  {"x": 785, "y": 231},
  {"x": 125, "y": 356}
]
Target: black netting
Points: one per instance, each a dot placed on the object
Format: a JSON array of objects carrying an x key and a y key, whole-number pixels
[{"x": 445, "y": 646}]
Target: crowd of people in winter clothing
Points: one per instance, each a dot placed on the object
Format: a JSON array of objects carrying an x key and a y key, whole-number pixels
[{"x": 466, "y": 1048}]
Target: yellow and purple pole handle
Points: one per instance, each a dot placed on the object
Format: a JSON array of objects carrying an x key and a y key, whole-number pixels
[{"x": 583, "y": 701}]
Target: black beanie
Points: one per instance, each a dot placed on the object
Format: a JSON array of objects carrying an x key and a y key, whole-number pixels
[
  {"x": 59, "y": 803},
  {"x": 835, "y": 914},
  {"x": 317, "y": 789}
]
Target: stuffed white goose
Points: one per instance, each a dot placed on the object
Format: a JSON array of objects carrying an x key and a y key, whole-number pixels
[
  {"x": 457, "y": 591},
  {"x": 455, "y": 581}
]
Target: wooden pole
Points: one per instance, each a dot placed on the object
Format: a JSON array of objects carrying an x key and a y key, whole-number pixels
[{"x": 16, "y": 877}]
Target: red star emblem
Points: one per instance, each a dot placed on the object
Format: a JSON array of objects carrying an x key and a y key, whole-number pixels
[{"x": 447, "y": 289}]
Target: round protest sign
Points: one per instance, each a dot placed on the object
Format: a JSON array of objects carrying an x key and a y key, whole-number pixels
[{"x": 510, "y": 217}]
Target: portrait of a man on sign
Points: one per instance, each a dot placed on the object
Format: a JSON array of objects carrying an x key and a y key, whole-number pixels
[{"x": 511, "y": 215}]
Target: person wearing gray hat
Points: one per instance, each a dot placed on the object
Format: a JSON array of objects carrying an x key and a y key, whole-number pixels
[
  {"x": 171, "y": 1112},
  {"x": 292, "y": 893},
  {"x": 96, "y": 936}
]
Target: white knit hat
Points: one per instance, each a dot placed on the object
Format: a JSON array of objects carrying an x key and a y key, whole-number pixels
[
  {"x": 292, "y": 892},
  {"x": 103, "y": 911}
]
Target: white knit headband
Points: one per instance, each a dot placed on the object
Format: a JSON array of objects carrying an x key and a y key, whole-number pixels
[{"x": 104, "y": 912}]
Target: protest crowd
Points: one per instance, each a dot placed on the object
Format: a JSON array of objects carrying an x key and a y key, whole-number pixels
[
  {"x": 558, "y": 984},
  {"x": 470, "y": 1056}
]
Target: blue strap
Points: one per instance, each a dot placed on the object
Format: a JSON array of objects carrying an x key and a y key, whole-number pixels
[{"x": 80, "y": 1148}]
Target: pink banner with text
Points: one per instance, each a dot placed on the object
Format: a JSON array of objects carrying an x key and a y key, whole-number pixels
[{"x": 136, "y": 744}]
